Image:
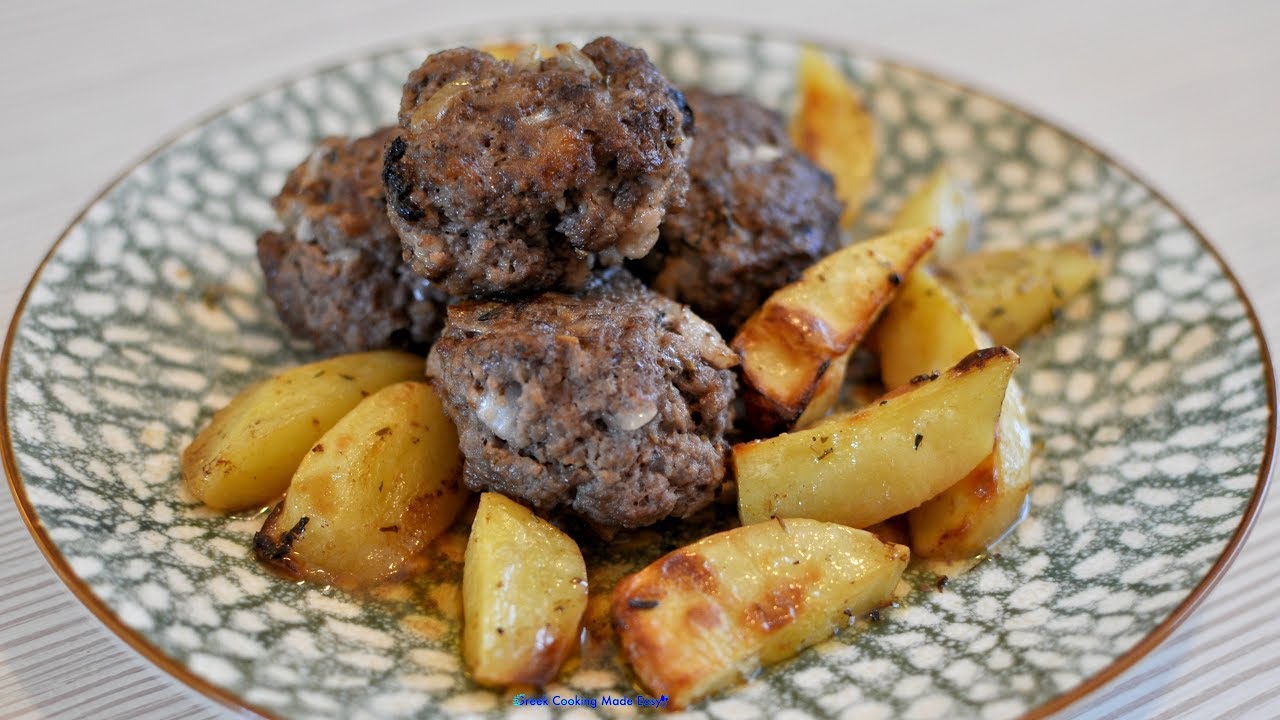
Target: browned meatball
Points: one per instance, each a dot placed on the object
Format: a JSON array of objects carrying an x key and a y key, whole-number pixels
[
  {"x": 757, "y": 214},
  {"x": 509, "y": 178},
  {"x": 611, "y": 404},
  {"x": 336, "y": 274}
]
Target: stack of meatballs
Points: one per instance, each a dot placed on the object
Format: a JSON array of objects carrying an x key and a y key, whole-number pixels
[{"x": 571, "y": 238}]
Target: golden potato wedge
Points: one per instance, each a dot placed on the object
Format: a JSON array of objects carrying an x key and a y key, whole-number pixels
[
  {"x": 861, "y": 468},
  {"x": 1011, "y": 293},
  {"x": 708, "y": 615},
  {"x": 524, "y": 589},
  {"x": 970, "y": 516},
  {"x": 247, "y": 453},
  {"x": 923, "y": 330},
  {"x": 791, "y": 341},
  {"x": 942, "y": 202},
  {"x": 826, "y": 392},
  {"x": 832, "y": 128},
  {"x": 370, "y": 494}
]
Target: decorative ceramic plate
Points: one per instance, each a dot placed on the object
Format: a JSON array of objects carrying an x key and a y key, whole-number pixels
[{"x": 1151, "y": 399}]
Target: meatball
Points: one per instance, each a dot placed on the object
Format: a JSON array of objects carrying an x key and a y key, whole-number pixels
[
  {"x": 611, "y": 404},
  {"x": 757, "y": 213},
  {"x": 509, "y": 178},
  {"x": 336, "y": 273}
]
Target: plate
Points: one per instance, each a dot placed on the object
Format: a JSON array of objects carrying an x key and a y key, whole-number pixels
[{"x": 1151, "y": 398}]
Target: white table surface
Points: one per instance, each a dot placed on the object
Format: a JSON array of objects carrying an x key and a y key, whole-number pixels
[{"x": 1184, "y": 92}]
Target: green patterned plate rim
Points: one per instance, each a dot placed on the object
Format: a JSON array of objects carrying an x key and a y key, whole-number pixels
[{"x": 1153, "y": 397}]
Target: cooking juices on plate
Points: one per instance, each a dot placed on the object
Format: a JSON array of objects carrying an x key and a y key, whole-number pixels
[{"x": 597, "y": 264}]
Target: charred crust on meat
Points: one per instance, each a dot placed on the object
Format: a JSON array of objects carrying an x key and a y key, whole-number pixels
[
  {"x": 686, "y": 112},
  {"x": 399, "y": 191},
  {"x": 407, "y": 209},
  {"x": 640, "y": 604},
  {"x": 393, "y": 180},
  {"x": 398, "y": 187},
  {"x": 395, "y": 150},
  {"x": 924, "y": 378}
]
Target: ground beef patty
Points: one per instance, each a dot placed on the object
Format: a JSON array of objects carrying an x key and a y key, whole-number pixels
[
  {"x": 336, "y": 274},
  {"x": 510, "y": 178},
  {"x": 611, "y": 404},
  {"x": 757, "y": 214}
]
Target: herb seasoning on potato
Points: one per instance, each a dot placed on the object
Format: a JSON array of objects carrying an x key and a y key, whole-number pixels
[{"x": 375, "y": 489}]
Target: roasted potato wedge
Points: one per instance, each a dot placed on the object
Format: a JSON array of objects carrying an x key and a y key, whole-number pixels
[
  {"x": 246, "y": 455},
  {"x": 944, "y": 203},
  {"x": 861, "y": 468},
  {"x": 708, "y": 615},
  {"x": 791, "y": 341},
  {"x": 370, "y": 494},
  {"x": 833, "y": 129},
  {"x": 826, "y": 392},
  {"x": 970, "y": 516},
  {"x": 524, "y": 589},
  {"x": 1011, "y": 293},
  {"x": 923, "y": 330}
]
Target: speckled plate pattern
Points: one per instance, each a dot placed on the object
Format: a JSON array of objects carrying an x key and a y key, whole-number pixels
[{"x": 1151, "y": 399}]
